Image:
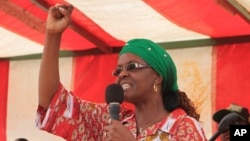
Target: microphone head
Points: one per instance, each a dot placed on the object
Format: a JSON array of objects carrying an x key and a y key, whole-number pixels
[{"x": 114, "y": 93}]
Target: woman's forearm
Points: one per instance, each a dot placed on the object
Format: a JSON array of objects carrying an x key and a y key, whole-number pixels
[{"x": 49, "y": 78}]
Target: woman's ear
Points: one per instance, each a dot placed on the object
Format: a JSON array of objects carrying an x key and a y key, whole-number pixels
[{"x": 158, "y": 79}]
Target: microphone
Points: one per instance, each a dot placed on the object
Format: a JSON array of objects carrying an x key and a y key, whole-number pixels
[
  {"x": 224, "y": 124},
  {"x": 114, "y": 96}
]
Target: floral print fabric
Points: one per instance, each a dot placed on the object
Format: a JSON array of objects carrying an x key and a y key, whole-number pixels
[{"x": 75, "y": 119}]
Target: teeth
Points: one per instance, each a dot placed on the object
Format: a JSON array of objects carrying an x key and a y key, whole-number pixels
[{"x": 125, "y": 86}]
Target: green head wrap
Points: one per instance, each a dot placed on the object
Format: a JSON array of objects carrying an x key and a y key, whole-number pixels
[{"x": 157, "y": 58}]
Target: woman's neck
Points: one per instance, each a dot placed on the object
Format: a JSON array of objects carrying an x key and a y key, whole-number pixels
[{"x": 147, "y": 116}]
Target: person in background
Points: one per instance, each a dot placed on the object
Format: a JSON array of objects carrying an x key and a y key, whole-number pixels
[
  {"x": 243, "y": 119},
  {"x": 147, "y": 75}
]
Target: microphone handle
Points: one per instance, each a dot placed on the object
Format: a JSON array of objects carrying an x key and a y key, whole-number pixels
[
  {"x": 114, "y": 110},
  {"x": 214, "y": 137}
]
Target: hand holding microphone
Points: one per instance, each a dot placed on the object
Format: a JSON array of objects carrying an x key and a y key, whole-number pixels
[
  {"x": 115, "y": 130},
  {"x": 114, "y": 96}
]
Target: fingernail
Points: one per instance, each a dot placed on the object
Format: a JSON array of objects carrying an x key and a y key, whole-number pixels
[{"x": 62, "y": 9}]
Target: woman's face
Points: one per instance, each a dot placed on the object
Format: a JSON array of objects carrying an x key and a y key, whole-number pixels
[{"x": 138, "y": 83}]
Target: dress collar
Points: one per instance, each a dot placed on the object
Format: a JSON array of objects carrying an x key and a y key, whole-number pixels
[{"x": 166, "y": 125}]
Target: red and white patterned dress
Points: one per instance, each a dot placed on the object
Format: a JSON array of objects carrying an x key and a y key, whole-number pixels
[{"x": 75, "y": 119}]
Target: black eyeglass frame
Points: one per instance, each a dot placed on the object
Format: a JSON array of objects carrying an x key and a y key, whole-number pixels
[{"x": 128, "y": 68}]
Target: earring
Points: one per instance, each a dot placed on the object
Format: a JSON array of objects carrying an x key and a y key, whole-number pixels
[{"x": 155, "y": 88}]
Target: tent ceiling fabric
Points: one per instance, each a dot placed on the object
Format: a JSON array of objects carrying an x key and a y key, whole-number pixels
[
  {"x": 13, "y": 45},
  {"x": 107, "y": 24},
  {"x": 208, "y": 17},
  {"x": 133, "y": 18}
]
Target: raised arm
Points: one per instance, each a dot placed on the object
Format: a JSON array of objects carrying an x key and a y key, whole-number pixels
[{"x": 59, "y": 18}]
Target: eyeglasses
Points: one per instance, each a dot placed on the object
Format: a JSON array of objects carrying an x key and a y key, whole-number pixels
[{"x": 129, "y": 67}]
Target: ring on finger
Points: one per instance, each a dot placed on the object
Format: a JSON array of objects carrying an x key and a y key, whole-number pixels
[
  {"x": 105, "y": 134},
  {"x": 110, "y": 121}
]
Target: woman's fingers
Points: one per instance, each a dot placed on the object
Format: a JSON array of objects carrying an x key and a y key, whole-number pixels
[
  {"x": 59, "y": 11},
  {"x": 107, "y": 127},
  {"x": 108, "y": 121},
  {"x": 65, "y": 10},
  {"x": 59, "y": 18}
]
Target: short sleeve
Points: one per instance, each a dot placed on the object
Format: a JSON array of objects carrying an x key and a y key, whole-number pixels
[
  {"x": 70, "y": 117},
  {"x": 190, "y": 129}
]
